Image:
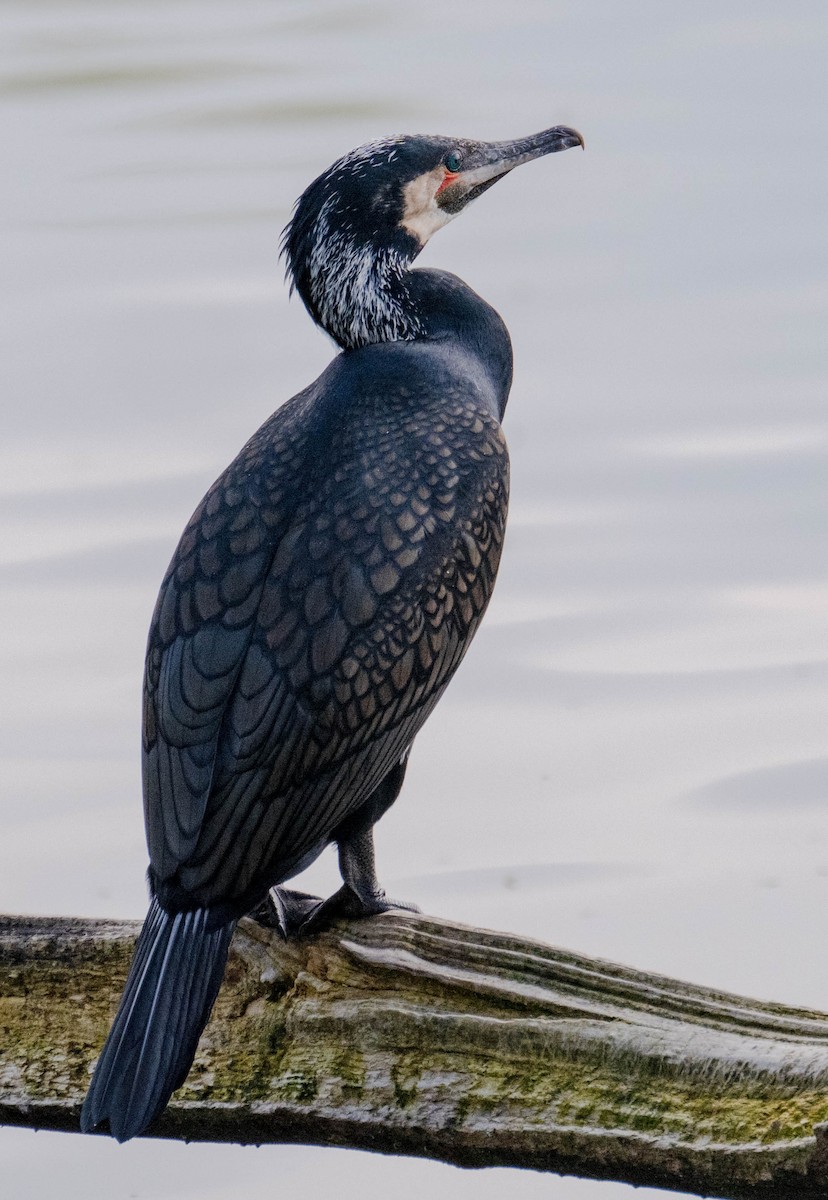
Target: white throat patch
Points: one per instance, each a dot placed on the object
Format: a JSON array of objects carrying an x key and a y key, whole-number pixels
[{"x": 422, "y": 216}]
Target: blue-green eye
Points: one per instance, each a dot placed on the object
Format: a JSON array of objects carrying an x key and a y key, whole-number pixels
[{"x": 453, "y": 162}]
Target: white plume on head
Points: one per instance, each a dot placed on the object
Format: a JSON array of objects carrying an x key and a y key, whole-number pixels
[{"x": 351, "y": 285}]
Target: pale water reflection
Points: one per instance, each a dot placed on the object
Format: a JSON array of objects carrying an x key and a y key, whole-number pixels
[{"x": 632, "y": 760}]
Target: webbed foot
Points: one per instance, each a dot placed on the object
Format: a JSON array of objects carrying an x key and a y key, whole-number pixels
[
  {"x": 286, "y": 911},
  {"x": 349, "y": 903}
]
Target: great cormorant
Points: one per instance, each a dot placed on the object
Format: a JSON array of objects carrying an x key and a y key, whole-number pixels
[{"x": 320, "y": 599}]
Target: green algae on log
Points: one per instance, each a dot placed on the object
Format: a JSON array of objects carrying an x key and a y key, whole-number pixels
[{"x": 407, "y": 1035}]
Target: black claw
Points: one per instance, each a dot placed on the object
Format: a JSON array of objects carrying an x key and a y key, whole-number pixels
[{"x": 286, "y": 911}]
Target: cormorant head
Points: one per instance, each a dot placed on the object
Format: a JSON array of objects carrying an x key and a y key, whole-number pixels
[{"x": 357, "y": 228}]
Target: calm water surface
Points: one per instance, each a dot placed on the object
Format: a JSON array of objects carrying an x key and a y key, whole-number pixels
[{"x": 632, "y": 761}]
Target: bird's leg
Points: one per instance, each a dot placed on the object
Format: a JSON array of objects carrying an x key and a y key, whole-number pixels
[{"x": 360, "y": 894}]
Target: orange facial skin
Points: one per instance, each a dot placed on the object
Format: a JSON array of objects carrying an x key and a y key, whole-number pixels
[{"x": 449, "y": 178}]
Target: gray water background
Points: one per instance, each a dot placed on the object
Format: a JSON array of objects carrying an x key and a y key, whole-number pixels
[{"x": 632, "y": 761}]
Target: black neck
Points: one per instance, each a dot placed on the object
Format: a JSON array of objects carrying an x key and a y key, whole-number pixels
[
  {"x": 449, "y": 311},
  {"x": 364, "y": 298}
]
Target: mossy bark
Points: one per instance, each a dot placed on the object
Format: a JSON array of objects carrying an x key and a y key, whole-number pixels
[{"x": 410, "y": 1036}]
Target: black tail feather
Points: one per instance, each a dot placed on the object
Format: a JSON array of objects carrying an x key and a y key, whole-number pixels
[{"x": 173, "y": 981}]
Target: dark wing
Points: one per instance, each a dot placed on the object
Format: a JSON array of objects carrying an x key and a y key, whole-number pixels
[
  {"x": 200, "y": 634},
  {"x": 375, "y": 590}
]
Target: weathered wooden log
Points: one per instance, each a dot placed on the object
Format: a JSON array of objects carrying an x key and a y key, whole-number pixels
[{"x": 407, "y": 1035}]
